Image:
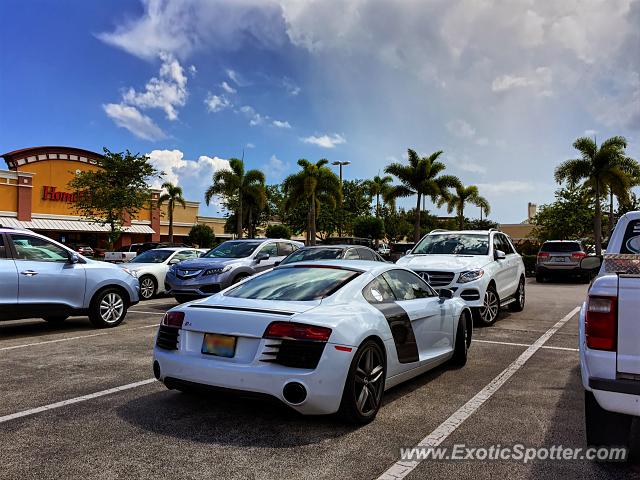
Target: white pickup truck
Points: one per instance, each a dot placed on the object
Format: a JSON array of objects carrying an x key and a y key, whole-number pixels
[{"x": 610, "y": 338}]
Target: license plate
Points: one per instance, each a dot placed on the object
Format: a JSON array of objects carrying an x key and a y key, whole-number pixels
[
  {"x": 219, "y": 345},
  {"x": 558, "y": 259}
]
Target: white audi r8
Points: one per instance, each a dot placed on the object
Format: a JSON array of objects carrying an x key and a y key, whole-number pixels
[{"x": 322, "y": 337}]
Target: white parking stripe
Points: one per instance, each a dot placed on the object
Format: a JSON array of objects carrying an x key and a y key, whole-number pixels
[
  {"x": 71, "y": 401},
  {"x": 67, "y": 339},
  {"x": 547, "y": 347},
  {"x": 401, "y": 468}
]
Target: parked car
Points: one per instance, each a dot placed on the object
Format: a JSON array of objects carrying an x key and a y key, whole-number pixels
[
  {"x": 332, "y": 252},
  {"x": 480, "y": 266},
  {"x": 561, "y": 258},
  {"x": 43, "y": 278},
  {"x": 384, "y": 249},
  {"x": 85, "y": 250},
  {"x": 128, "y": 252},
  {"x": 151, "y": 267},
  {"x": 609, "y": 338},
  {"x": 224, "y": 265},
  {"x": 286, "y": 334}
]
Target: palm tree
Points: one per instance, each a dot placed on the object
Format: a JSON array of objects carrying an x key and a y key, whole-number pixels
[
  {"x": 421, "y": 178},
  {"x": 598, "y": 168},
  {"x": 315, "y": 184},
  {"x": 172, "y": 196},
  {"x": 236, "y": 186},
  {"x": 622, "y": 189},
  {"x": 463, "y": 195},
  {"x": 379, "y": 186}
]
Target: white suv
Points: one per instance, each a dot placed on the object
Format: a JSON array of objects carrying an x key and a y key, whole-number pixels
[{"x": 479, "y": 266}]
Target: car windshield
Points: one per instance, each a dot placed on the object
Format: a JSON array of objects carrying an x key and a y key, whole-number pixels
[
  {"x": 313, "y": 254},
  {"x": 454, "y": 244},
  {"x": 152, "y": 256},
  {"x": 561, "y": 247},
  {"x": 233, "y": 249},
  {"x": 294, "y": 284}
]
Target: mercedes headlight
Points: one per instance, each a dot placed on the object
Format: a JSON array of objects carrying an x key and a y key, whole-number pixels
[
  {"x": 470, "y": 276},
  {"x": 133, "y": 273},
  {"x": 217, "y": 271}
]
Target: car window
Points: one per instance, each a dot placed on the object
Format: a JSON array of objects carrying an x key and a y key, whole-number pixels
[
  {"x": 38, "y": 249},
  {"x": 506, "y": 244},
  {"x": 378, "y": 291},
  {"x": 3, "y": 250},
  {"x": 351, "y": 254},
  {"x": 561, "y": 247},
  {"x": 271, "y": 249},
  {"x": 631, "y": 240},
  {"x": 284, "y": 249},
  {"x": 366, "y": 254},
  {"x": 233, "y": 249},
  {"x": 453, "y": 244},
  {"x": 407, "y": 285},
  {"x": 152, "y": 256},
  {"x": 497, "y": 243},
  {"x": 184, "y": 255},
  {"x": 309, "y": 254}
]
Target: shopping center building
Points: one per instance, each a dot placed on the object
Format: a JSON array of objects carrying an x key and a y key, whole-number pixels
[{"x": 34, "y": 194}]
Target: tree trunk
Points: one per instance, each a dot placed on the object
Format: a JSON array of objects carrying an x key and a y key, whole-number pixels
[
  {"x": 461, "y": 219},
  {"x": 597, "y": 221},
  {"x": 312, "y": 220},
  {"x": 239, "y": 215},
  {"x": 377, "y": 204},
  {"x": 250, "y": 226},
  {"x": 611, "y": 219},
  {"x": 416, "y": 224},
  {"x": 170, "y": 206}
]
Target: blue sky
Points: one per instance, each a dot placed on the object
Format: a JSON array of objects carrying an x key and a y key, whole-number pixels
[{"x": 502, "y": 87}]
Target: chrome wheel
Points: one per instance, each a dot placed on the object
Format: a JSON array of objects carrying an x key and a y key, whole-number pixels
[
  {"x": 369, "y": 376},
  {"x": 490, "y": 307},
  {"x": 521, "y": 293},
  {"x": 147, "y": 288},
  {"x": 111, "y": 307}
]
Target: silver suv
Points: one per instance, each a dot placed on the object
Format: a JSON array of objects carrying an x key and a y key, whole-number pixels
[
  {"x": 224, "y": 265},
  {"x": 561, "y": 258},
  {"x": 40, "y": 278}
]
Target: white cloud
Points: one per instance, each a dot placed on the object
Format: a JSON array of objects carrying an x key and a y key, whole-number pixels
[
  {"x": 130, "y": 118},
  {"x": 325, "y": 141},
  {"x": 167, "y": 91},
  {"x": 281, "y": 124},
  {"x": 216, "y": 103},
  {"x": 236, "y": 78},
  {"x": 193, "y": 175},
  {"x": 227, "y": 88},
  {"x": 250, "y": 145},
  {"x": 590, "y": 133},
  {"x": 193, "y": 71},
  {"x": 482, "y": 141},
  {"x": 540, "y": 80},
  {"x": 461, "y": 129},
  {"x": 472, "y": 167},
  {"x": 291, "y": 88},
  {"x": 275, "y": 169},
  {"x": 506, "y": 187},
  {"x": 254, "y": 117}
]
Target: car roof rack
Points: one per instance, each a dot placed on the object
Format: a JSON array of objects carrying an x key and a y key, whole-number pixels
[
  {"x": 439, "y": 230},
  {"x": 493, "y": 230}
]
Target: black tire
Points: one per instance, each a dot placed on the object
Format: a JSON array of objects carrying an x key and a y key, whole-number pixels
[
  {"x": 488, "y": 314},
  {"x": 184, "y": 298},
  {"x": 239, "y": 278},
  {"x": 148, "y": 287},
  {"x": 56, "y": 319},
  {"x": 604, "y": 428},
  {"x": 539, "y": 278},
  {"x": 108, "y": 308},
  {"x": 518, "y": 304},
  {"x": 586, "y": 278},
  {"x": 463, "y": 342},
  {"x": 364, "y": 387}
]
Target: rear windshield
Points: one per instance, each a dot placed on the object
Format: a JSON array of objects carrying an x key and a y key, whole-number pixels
[
  {"x": 294, "y": 284},
  {"x": 313, "y": 254},
  {"x": 561, "y": 247}
]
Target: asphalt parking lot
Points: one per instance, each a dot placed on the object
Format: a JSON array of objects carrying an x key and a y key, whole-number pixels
[{"x": 49, "y": 429}]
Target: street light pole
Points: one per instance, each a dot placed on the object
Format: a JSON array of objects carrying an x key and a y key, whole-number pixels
[{"x": 341, "y": 164}]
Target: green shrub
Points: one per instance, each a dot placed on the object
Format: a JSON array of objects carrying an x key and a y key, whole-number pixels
[
  {"x": 201, "y": 235},
  {"x": 278, "y": 231},
  {"x": 529, "y": 264}
]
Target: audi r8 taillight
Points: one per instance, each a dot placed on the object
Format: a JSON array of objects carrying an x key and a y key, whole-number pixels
[
  {"x": 173, "y": 319},
  {"x": 294, "y": 344},
  {"x": 601, "y": 323},
  {"x": 169, "y": 330},
  {"x": 297, "y": 331}
]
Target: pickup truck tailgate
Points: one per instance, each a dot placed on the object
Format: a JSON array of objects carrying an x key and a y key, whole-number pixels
[{"x": 629, "y": 324}]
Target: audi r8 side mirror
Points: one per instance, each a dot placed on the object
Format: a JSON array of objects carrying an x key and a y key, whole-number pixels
[{"x": 445, "y": 294}]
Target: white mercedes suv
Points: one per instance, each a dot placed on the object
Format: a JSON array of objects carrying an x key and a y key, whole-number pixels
[{"x": 479, "y": 266}]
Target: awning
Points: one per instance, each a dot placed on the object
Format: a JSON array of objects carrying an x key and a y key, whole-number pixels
[{"x": 68, "y": 225}]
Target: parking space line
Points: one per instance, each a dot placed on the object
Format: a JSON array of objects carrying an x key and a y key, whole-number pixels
[
  {"x": 402, "y": 468},
  {"x": 67, "y": 339},
  {"x": 71, "y": 401},
  {"x": 546, "y": 347}
]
